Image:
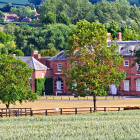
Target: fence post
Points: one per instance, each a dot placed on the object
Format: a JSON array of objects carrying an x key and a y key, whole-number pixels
[
  {"x": 6, "y": 112},
  {"x": 90, "y": 109},
  {"x": 46, "y": 112},
  {"x": 25, "y": 112},
  {"x": 133, "y": 108},
  {"x": 53, "y": 98},
  {"x": 61, "y": 98},
  {"x": 9, "y": 112},
  {"x": 113, "y": 97},
  {"x": 78, "y": 97},
  {"x": 118, "y": 108},
  {"x": 46, "y": 97},
  {"x": 16, "y": 113},
  {"x": 69, "y": 98},
  {"x": 1, "y": 114},
  {"x": 75, "y": 110},
  {"x": 87, "y": 98},
  {"x": 61, "y": 112},
  {"x": 31, "y": 113},
  {"x": 104, "y": 109}
]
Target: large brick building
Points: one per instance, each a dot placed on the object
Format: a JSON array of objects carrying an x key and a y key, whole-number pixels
[{"x": 52, "y": 67}]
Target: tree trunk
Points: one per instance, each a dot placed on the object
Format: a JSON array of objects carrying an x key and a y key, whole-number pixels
[
  {"x": 7, "y": 105},
  {"x": 94, "y": 102}
]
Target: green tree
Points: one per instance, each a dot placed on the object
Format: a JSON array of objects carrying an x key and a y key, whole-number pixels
[
  {"x": 49, "y": 52},
  {"x": 9, "y": 28},
  {"x": 62, "y": 18},
  {"x": 5, "y": 37},
  {"x": 113, "y": 29},
  {"x": 97, "y": 63},
  {"x": 18, "y": 52},
  {"x": 49, "y": 18},
  {"x": 14, "y": 81},
  {"x": 23, "y": 12}
]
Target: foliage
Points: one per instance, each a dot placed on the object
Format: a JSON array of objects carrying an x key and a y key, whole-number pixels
[
  {"x": 40, "y": 83},
  {"x": 102, "y": 126},
  {"x": 23, "y": 12},
  {"x": 62, "y": 18},
  {"x": 5, "y": 37},
  {"x": 18, "y": 52},
  {"x": 48, "y": 52},
  {"x": 48, "y": 85},
  {"x": 6, "y": 8},
  {"x": 47, "y": 37},
  {"x": 75, "y": 9},
  {"x": 14, "y": 81},
  {"x": 9, "y": 28},
  {"x": 97, "y": 63},
  {"x": 49, "y": 18},
  {"x": 113, "y": 29}
]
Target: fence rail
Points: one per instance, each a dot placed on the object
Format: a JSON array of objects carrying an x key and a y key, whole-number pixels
[
  {"x": 20, "y": 112},
  {"x": 79, "y": 98}
]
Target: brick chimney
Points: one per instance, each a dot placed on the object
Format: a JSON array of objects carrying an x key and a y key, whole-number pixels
[
  {"x": 108, "y": 37},
  {"x": 35, "y": 55},
  {"x": 14, "y": 55},
  {"x": 119, "y": 36}
]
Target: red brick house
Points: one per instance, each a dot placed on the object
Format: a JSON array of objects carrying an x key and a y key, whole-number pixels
[
  {"x": 26, "y": 19},
  {"x": 11, "y": 18},
  {"x": 52, "y": 67}
]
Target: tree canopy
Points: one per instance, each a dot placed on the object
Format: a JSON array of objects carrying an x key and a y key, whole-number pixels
[
  {"x": 94, "y": 63},
  {"x": 14, "y": 81}
]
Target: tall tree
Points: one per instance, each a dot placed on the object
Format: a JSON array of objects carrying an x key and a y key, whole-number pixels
[
  {"x": 94, "y": 63},
  {"x": 113, "y": 28},
  {"x": 14, "y": 81}
]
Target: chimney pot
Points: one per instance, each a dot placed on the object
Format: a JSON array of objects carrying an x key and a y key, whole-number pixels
[
  {"x": 119, "y": 36},
  {"x": 108, "y": 37},
  {"x": 14, "y": 55}
]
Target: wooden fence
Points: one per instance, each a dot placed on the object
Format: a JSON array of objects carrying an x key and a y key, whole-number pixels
[
  {"x": 79, "y": 98},
  {"x": 19, "y": 112}
]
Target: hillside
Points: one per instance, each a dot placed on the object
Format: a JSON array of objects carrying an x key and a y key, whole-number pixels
[
  {"x": 13, "y": 1},
  {"x": 122, "y": 125}
]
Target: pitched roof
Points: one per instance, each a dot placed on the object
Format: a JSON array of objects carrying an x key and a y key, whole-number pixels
[
  {"x": 11, "y": 16},
  {"x": 32, "y": 63},
  {"x": 26, "y": 19},
  {"x": 60, "y": 56},
  {"x": 126, "y": 48}
]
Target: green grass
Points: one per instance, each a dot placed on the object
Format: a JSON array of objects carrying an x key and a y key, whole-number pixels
[{"x": 124, "y": 125}]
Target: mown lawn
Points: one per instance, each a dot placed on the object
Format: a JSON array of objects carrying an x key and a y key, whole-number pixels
[{"x": 123, "y": 125}]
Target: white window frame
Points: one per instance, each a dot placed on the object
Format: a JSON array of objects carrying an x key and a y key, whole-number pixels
[
  {"x": 138, "y": 66},
  {"x": 126, "y": 88},
  {"x": 58, "y": 85},
  {"x": 138, "y": 86},
  {"x": 59, "y": 66},
  {"x": 125, "y": 63},
  {"x": 43, "y": 75},
  {"x": 73, "y": 64},
  {"x": 30, "y": 86}
]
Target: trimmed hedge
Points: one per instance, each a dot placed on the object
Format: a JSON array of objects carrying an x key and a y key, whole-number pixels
[{"x": 39, "y": 84}]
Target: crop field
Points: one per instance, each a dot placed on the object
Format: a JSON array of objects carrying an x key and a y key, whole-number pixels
[{"x": 123, "y": 125}]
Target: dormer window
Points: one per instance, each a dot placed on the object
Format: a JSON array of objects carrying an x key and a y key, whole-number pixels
[
  {"x": 59, "y": 67},
  {"x": 126, "y": 63}
]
